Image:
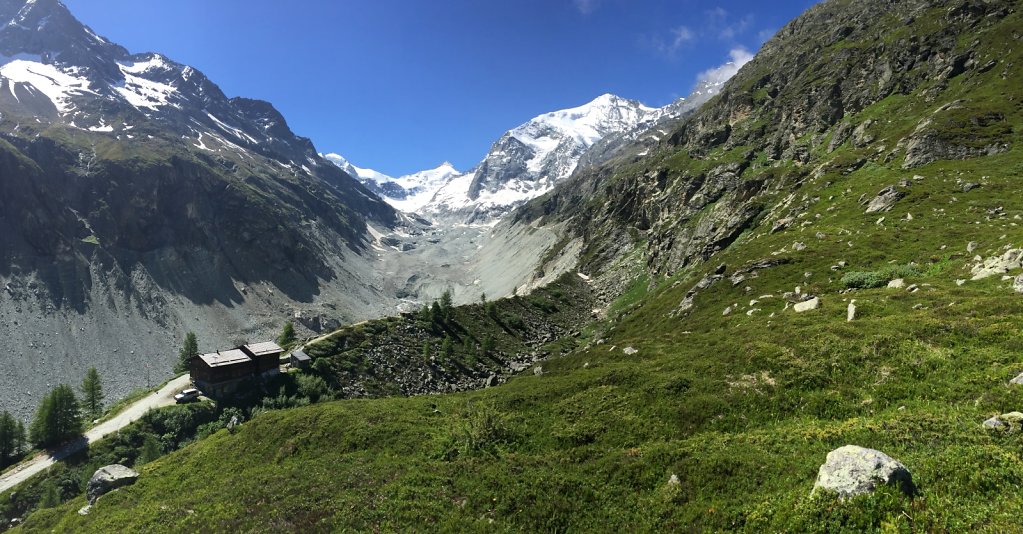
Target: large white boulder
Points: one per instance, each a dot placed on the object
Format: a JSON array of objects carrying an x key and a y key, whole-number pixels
[
  {"x": 850, "y": 471},
  {"x": 807, "y": 305},
  {"x": 109, "y": 478}
]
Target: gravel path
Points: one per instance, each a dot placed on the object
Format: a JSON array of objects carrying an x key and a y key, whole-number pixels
[{"x": 39, "y": 463}]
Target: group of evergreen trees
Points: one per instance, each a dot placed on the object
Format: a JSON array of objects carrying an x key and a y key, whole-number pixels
[
  {"x": 439, "y": 311},
  {"x": 60, "y": 417},
  {"x": 442, "y": 311}
]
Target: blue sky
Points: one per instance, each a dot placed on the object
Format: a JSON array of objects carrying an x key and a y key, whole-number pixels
[{"x": 402, "y": 85}]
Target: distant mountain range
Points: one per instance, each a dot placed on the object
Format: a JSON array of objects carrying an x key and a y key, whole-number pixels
[{"x": 527, "y": 161}]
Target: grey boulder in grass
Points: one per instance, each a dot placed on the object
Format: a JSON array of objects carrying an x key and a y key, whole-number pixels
[
  {"x": 109, "y": 478},
  {"x": 850, "y": 471}
]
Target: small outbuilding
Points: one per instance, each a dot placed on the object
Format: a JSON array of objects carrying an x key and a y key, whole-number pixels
[{"x": 300, "y": 360}]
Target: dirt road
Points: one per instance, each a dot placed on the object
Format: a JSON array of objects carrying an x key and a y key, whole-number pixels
[{"x": 40, "y": 462}]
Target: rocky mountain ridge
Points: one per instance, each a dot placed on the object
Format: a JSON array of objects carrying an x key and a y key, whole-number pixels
[
  {"x": 776, "y": 126},
  {"x": 139, "y": 202}
]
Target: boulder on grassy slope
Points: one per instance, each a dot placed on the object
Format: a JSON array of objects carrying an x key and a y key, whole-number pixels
[
  {"x": 109, "y": 478},
  {"x": 850, "y": 471},
  {"x": 807, "y": 305},
  {"x": 885, "y": 199},
  {"x": 1010, "y": 260}
]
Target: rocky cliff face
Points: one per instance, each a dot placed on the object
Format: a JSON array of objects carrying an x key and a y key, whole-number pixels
[
  {"x": 793, "y": 114},
  {"x": 138, "y": 201}
]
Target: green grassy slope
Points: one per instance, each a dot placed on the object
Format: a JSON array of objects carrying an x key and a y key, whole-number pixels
[{"x": 742, "y": 407}]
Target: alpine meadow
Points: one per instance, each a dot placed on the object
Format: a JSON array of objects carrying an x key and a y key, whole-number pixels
[{"x": 790, "y": 301}]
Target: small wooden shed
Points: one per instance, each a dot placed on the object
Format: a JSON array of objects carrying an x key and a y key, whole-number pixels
[{"x": 300, "y": 360}]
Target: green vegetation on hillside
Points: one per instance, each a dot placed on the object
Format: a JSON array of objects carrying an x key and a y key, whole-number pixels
[{"x": 704, "y": 402}]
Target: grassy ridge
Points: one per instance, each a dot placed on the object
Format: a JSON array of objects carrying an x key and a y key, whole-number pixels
[{"x": 741, "y": 407}]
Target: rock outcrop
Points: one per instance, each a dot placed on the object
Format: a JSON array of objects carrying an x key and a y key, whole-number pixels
[
  {"x": 885, "y": 199},
  {"x": 1010, "y": 260}
]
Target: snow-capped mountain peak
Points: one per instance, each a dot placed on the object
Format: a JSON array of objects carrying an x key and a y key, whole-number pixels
[
  {"x": 363, "y": 175},
  {"x": 526, "y": 162}
]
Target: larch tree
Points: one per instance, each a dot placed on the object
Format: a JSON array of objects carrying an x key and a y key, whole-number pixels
[
  {"x": 12, "y": 438},
  {"x": 287, "y": 337},
  {"x": 58, "y": 418},
  {"x": 189, "y": 350},
  {"x": 92, "y": 394}
]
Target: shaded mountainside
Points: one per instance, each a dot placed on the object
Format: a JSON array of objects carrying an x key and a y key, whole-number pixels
[
  {"x": 132, "y": 183},
  {"x": 827, "y": 253}
]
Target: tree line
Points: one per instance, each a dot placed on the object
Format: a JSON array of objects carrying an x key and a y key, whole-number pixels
[{"x": 60, "y": 417}]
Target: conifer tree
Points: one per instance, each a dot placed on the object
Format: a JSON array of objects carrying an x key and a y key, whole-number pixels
[
  {"x": 446, "y": 303},
  {"x": 92, "y": 394},
  {"x": 50, "y": 497},
  {"x": 488, "y": 344},
  {"x": 58, "y": 418},
  {"x": 287, "y": 337},
  {"x": 189, "y": 350},
  {"x": 9, "y": 441},
  {"x": 447, "y": 347},
  {"x": 425, "y": 315},
  {"x": 426, "y": 350},
  {"x": 20, "y": 438}
]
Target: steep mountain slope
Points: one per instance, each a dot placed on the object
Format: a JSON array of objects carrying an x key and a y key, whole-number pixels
[
  {"x": 138, "y": 201},
  {"x": 870, "y": 139},
  {"x": 783, "y": 122}
]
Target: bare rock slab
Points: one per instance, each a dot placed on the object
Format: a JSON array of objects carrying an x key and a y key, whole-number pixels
[
  {"x": 851, "y": 470},
  {"x": 109, "y": 478},
  {"x": 994, "y": 422},
  {"x": 807, "y": 305},
  {"x": 885, "y": 199}
]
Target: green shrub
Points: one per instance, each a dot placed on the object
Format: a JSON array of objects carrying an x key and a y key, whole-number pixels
[
  {"x": 864, "y": 280},
  {"x": 481, "y": 432},
  {"x": 872, "y": 279}
]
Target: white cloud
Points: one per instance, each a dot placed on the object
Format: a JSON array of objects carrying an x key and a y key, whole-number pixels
[
  {"x": 586, "y": 6},
  {"x": 719, "y": 75},
  {"x": 676, "y": 39},
  {"x": 680, "y": 36},
  {"x": 716, "y": 14},
  {"x": 717, "y": 24},
  {"x": 731, "y": 31}
]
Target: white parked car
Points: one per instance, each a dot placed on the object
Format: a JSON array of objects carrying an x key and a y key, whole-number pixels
[{"x": 187, "y": 395}]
